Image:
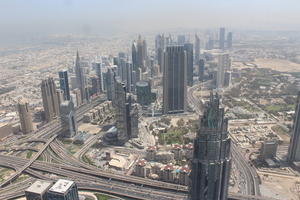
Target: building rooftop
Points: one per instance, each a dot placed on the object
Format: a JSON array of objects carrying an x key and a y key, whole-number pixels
[
  {"x": 141, "y": 162},
  {"x": 177, "y": 146},
  {"x": 185, "y": 169},
  {"x": 61, "y": 186},
  {"x": 39, "y": 186}
]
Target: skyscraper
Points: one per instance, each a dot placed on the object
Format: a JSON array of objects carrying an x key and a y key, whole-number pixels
[
  {"x": 110, "y": 84},
  {"x": 25, "y": 116},
  {"x": 229, "y": 40},
  {"x": 99, "y": 75},
  {"x": 68, "y": 119},
  {"x": 134, "y": 55},
  {"x": 197, "y": 48},
  {"x": 181, "y": 40},
  {"x": 140, "y": 55},
  {"x": 50, "y": 99},
  {"x": 64, "y": 84},
  {"x": 64, "y": 190},
  {"x": 175, "y": 80},
  {"x": 211, "y": 163},
  {"x": 293, "y": 156},
  {"x": 122, "y": 114},
  {"x": 222, "y": 38},
  {"x": 223, "y": 64},
  {"x": 190, "y": 63},
  {"x": 80, "y": 78},
  {"x": 201, "y": 69}
]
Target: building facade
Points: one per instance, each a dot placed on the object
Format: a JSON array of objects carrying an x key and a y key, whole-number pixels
[
  {"x": 189, "y": 48},
  {"x": 63, "y": 190},
  {"x": 50, "y": 99},
  {"x": 293, "y": 156},
  {"x": 64, "y": 84},
  {"x": 211, "y": 163},
  {"x": 175, "y": 80},
  {"x": 25, "y": 116}
]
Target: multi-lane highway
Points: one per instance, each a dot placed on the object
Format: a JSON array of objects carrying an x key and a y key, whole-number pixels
[{"x": 91, "y": 177}]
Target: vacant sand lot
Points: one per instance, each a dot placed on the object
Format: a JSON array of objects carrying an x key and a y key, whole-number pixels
[{"x": 279, "y": 65}]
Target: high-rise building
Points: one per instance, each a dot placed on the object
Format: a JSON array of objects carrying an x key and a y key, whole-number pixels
[
  {"x": 145, "y": 54},
  {"x": 110, "y": 79},
  {"x": 211, "y": 163},
  {"x": 201, "y": 69},
  {"x": 175, "y": 80},
  {"x": 222, "y": 38},
  {"x": 229, "y": 40},
  {"x": 80, "y": 78},
  {"x": 38, "y": 190},
  {"x": 140, "y": 55},
  {"x": 143, "y": 93},
  {"x": 223, "y": 64},
  {"x": 268, "y": 149},
  {"x": 63, "y": 190},
  {"x": 197, "y": 48},
  {"x": 122, "y": 116},
  {"x": 181, "y": 40},
  {"x": 77, "y": 92},
  {"x": 68, "y": 119},
  {"x": 99, "y": 75},
  {"x": 293, "y": 156},
  {"x": 190, "y": 63},
  {"x": 50, "y": 99},
  {"x": 25, "y": 116},
  {"x": 64, "y": 84},
  {"x": 128, "y": 77},
  {"x": 227, "y": 79},
  {"x": 134, "y": 119},
  {"x": 134, "y": 55}
]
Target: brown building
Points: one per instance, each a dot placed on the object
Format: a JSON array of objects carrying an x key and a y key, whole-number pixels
[
  {"x": 50, "y": 99},
  {"x": 5, "y": 130},
  {"x": 25, "y": 116}
]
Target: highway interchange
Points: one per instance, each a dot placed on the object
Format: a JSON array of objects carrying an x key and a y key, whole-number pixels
[{"x": 90, "y": 177}]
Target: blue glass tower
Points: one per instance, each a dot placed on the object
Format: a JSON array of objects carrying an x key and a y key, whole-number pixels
[{"x": 64, "y": 84}]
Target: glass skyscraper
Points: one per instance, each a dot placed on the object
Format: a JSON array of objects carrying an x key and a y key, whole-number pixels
[
  {"x": 175, "y": 80},
  {"x": 64, "y": 84},
  {"x": 211, "y": 163}
]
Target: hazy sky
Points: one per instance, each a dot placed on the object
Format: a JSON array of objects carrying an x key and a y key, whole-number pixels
[{"x": 42, "y": 17}]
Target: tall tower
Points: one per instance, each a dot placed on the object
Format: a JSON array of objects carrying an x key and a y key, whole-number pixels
[
  {"x": 25, "y": 116},
  {"x": 140, "y": 54},
  {"x": 190, "y": 63},
  {"x": 80, "y": 78},
  {"x": 68, "y": 119},
  {"x": 223, "y": 64},
  {"x": 175, "y": 80},
  {"x": 222, "y": 38},
  {"x": 99, "y": 75},
  {"x": 211, "y": 163},
  {"x": 64, "y": 84},
  {"x": 201, "y": 69},
  {"x": 122, "y": 114},
  {"x": 181, "y": 40},
  {"x": 50, "y": 99},
  {"x": 294, "y": 148},
  {"x": 229, "y": 40},
  {"x": 197, "y": 48},
  {"x": 110, "y": 84},
  {"x": 134, "y": 52}
]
